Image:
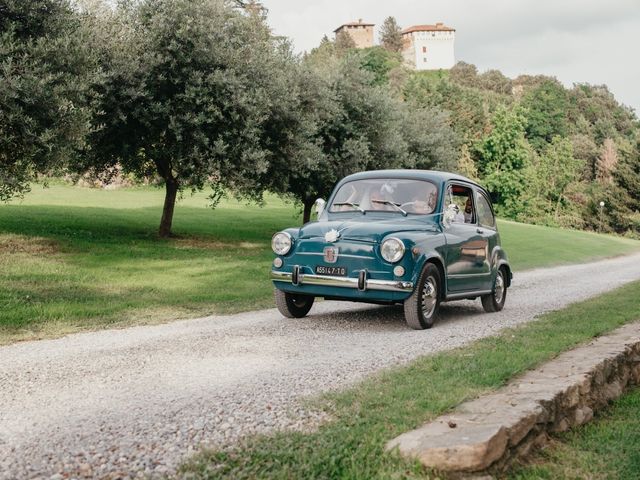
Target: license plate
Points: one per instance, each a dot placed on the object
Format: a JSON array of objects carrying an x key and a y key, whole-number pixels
[{"x": 331, "y": 271}]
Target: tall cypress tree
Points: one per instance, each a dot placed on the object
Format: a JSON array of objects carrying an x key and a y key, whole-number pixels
[{"x": 391, "y": 35}]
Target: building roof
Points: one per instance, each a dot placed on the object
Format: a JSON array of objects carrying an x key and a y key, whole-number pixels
[
  {"x": 359, "y": 23},
  {"x": 438, "y": 27}
]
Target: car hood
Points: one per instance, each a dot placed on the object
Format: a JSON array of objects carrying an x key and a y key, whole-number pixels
[{"x": 371, "y": 230}]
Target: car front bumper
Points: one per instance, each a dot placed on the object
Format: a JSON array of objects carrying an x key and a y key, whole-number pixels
[{"x": 361, "y": 283}]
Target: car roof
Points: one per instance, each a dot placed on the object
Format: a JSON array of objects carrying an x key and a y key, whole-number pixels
[{"x": 433, "y": 175}]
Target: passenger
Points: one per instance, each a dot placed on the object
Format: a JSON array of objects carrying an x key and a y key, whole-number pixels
[
  {"x": 465, "y": 216},
  {"x": 468, "y": 211}
]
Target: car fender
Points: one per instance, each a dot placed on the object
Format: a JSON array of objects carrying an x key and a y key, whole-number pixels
[
  {"x": 498, "y": 260},
  {"x": 434, "y": 256}
]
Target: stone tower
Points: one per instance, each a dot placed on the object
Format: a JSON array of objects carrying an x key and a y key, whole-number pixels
[
  {"x": 360, "y": 32},
  {"x": 429, "y": 47}
]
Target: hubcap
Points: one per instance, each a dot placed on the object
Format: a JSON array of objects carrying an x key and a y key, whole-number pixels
[
  {"x": 499, "y": 292},
  {"x": 299, "y": 301},
  {"x": 429, "y": 297}
]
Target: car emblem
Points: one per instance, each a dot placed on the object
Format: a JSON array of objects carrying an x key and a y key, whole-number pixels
[
  {"x": 331, "y": 254},
  {"x": 332, "y": 235}
]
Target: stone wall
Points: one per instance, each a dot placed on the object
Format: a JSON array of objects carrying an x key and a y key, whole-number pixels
[{"x": 488, "y": 433}]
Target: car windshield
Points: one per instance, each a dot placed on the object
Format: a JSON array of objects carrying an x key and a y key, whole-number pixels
[{"x": 403, "y": 196}]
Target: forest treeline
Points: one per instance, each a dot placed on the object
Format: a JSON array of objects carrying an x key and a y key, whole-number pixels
[
  {"x": 548, "y": 154},
  {"x": 199, "y": 94}
]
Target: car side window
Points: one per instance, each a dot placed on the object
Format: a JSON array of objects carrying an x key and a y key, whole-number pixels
[
  {"x": 462, "y": 198},
  {"x": 485, "y": 214}
]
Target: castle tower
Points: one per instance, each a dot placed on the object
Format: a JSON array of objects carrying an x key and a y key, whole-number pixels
[
  {"x": 429, "y": 47},
  {"x": 360, "y": 32}
]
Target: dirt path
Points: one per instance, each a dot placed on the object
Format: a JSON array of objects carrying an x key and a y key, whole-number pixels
[{"x": 137, "y": 401}]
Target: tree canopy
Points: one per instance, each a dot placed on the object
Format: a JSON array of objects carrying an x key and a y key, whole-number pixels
[
  {"x": 46, "y": 97},
  {"x": 188, "y": 96},
  {"x": 504, "y": 157}
]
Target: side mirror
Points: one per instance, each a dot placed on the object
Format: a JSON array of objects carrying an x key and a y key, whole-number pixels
[
  {"x": 450, "y": 215},
  {"x": 320, "y": 204}
]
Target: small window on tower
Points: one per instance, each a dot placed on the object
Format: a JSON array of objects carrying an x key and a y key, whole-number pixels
[
  {"x": 424, "y": 59},
  {"x": 424, "y": 49}
]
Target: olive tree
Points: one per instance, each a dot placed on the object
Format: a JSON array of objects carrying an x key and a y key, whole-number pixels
[
  {"x": 46, "y": 95},
  {"x": 346, "y": 127},
  {"x": 191, "y": 88}
]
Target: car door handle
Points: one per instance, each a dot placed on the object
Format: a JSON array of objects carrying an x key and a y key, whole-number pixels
[{"x": 479, "y": 230}]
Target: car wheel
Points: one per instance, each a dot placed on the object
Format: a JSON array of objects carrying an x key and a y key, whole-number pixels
[
  {"x": 293, "y": 305},
  {"x": 421, "y": 308},
  {"x": 494, "y": 302}
]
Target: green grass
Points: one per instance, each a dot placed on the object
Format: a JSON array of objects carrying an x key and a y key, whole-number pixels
[
  {"x": 432, "y": 75},
  {"x": 75, "y": 258},
  {"x": 606, "y": 449},
  {"x": 368, "y": 415},
  {"x": 533, "y": 246}
]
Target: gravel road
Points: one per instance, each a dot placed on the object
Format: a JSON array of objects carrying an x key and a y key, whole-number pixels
[{"x": 135, "y": 402}]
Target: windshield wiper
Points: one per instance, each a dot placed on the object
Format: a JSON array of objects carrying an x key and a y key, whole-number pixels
[
  {"x": 387, "y": 202},
  {"x": 354, "y": 205}
]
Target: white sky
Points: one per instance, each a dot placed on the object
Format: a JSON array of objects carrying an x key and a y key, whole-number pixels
[{"x": 593, "y": 41}]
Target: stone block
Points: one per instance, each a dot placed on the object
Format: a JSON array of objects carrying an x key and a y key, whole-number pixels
[
  {"x": 584, "y": 385},
  {"x": 612, "y": 390},
  {"x": 468, "y": 447},
  {"x": 581, "y": 416},
  {"x": 561, "y": 425},
  {"x": 571, "y": 397}
]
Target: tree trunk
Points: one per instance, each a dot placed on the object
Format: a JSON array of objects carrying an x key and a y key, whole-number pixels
[
  {"x": 306, "y": 214},
  {"x": 171, "y": 186}
]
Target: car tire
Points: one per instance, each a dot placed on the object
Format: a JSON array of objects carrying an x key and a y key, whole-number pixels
[
  {"x": 421, "y": 308},
  {"x": 494, "y": 302},
  {"x": 293, "y": 305}
]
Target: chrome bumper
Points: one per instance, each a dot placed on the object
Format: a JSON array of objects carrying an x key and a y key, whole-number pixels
[{"x": 369, "y": 284}]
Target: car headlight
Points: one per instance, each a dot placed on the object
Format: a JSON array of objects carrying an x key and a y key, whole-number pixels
[
  {"x": 392, "y": 249},
  {"x": 281, "y": 243}
]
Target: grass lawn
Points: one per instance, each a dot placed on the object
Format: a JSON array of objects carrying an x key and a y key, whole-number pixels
[
  {"x": 380, "y": 408},
  {"x": 533, "y": 246},
  {"x": 75, "y": 258},
  {"x": 608, "y": 448}
]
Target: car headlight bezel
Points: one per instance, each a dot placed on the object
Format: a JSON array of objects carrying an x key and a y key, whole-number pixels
[
  {"x": 392, "y": 249},
  {"x": 281, "y": 243}
]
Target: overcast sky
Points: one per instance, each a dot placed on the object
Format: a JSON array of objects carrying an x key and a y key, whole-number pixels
[{"x": 593, "y": 41}]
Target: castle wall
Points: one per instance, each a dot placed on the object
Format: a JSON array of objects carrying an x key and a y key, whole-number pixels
[{"x": 430, "y": 50}]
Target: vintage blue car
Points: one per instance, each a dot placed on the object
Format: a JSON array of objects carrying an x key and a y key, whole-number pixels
[{"x": 416, "y": 237}]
